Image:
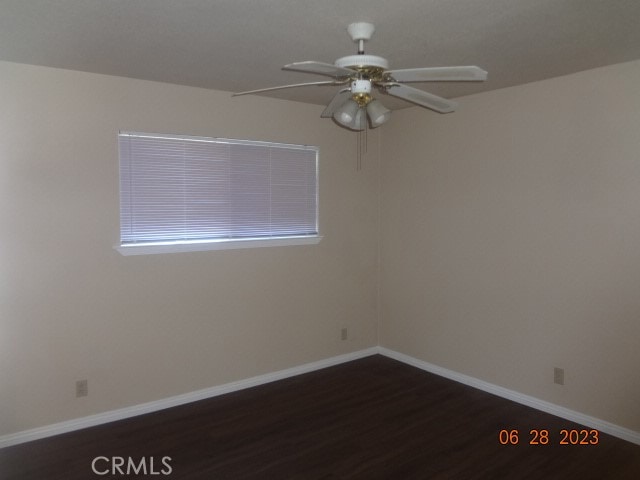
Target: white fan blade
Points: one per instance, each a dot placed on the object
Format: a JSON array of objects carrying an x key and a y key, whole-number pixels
[
  {"x": 439, "y": 74},
  {"x": 260, "y": 90},
  {"x": 336, "y": 102},
  {"x": 320, "y": 68},
  {"x": 422, "y": 98}
]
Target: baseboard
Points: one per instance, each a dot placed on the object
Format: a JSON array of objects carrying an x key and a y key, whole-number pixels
[
  {"x": 149, "y": 407},
  {"x": 562, "y": 412},
  {"x": 128, "y": 412}
]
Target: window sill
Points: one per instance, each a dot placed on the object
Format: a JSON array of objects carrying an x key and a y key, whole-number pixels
[{"x": 177, "y": 247}]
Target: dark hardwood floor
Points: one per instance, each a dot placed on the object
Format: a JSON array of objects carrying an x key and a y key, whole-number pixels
[{"x": 373, "y": 418}]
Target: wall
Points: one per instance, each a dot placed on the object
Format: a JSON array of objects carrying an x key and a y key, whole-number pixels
[
  {"x": 144, "y": 328},
  {"x": 510, "y": 239}
]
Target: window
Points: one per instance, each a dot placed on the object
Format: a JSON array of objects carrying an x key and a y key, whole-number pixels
[{"x": 180, "y": 193}]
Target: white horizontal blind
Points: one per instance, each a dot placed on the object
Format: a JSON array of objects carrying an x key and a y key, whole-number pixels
[{"x": 193, "y": 189}]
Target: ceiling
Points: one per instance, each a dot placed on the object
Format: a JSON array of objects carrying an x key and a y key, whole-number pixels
[{"x": 237, "y": 45}]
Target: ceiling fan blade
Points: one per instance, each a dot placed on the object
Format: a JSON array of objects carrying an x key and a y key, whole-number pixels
[
  {"x": 320, "y": 68},
  {"x": 336, "y": 102},
  {"x": 260, "y": 90},
  {"x": 439, "y": 74},
  {"x": 422, "y": 98}
]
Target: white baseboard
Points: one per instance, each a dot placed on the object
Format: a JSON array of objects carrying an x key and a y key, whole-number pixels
[
  {"x": 562, "y": 412},
  {"x": 149, "y": 407},
  {"x": 127, "y": 412}
]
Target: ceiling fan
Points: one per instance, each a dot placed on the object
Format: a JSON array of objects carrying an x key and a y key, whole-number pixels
[{"x": 362, "y": 74}]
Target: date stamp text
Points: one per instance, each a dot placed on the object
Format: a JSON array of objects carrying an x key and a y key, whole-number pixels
[{"x": 545, "y": 437}]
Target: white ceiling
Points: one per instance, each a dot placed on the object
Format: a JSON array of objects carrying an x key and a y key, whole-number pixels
[{"x": 237, "y": 45}]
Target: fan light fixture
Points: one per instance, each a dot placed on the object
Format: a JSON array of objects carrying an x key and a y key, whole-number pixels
[
  {"x": 360, "y": 104},
  {"x": 354, "y": 117}
]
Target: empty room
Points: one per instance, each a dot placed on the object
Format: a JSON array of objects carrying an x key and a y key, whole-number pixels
[{"x": 319, "y": 240}]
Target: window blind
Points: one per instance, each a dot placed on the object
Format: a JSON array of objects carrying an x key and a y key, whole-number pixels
[{"x": 177, "y": 189}]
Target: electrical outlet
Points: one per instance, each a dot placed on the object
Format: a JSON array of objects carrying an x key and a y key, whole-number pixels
[
  {"x": 558, "y": 375},
  {"x": 343, "y": 334},
  {"x": 82, "y": 388}
]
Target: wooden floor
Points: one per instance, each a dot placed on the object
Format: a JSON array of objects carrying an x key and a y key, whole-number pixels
[{"x": 373, "y": 418}]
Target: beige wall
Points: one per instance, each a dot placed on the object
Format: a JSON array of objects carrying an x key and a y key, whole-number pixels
[
  {"x": 511, "y": 239},
  {"x": 148, "y": 327}
]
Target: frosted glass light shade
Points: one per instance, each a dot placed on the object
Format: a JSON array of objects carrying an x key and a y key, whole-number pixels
[
  {"x": 346, "y": 114},
  {"x": 378, "y": 113},
  {"x": 359, "y": 121}
]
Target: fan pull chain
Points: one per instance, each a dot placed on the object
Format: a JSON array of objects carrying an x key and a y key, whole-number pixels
[
  {"x": 358, "y": 152},
  {"x": 362, "y": 145}
]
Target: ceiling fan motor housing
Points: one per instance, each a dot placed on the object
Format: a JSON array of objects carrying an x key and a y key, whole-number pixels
[{"x": 358, "y": 62}]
